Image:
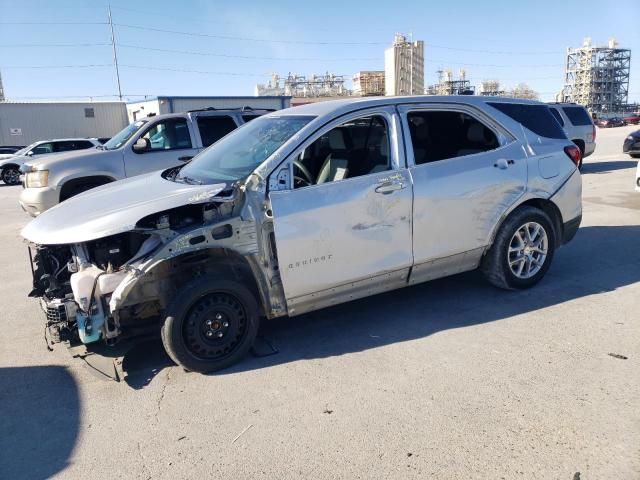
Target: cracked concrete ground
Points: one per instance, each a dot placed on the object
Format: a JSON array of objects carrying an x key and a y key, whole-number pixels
[{"x": 450, "y": 379}]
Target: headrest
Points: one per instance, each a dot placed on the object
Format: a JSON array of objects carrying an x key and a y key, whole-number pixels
[
  {"x": 422, "y": 131},
  {"x": 336, "y": 139},
  {"x": 475, "y": 133}
]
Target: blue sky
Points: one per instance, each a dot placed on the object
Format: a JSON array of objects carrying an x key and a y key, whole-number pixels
[{"x": 513, "y": 41}]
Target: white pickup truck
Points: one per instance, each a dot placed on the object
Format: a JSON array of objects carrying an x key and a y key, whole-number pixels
[{"x": 152, "y": 143}]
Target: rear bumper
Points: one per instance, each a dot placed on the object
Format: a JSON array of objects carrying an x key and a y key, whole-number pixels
[
  {"x": 589, "y": 148},
  {"x": 570, "y": 228}
]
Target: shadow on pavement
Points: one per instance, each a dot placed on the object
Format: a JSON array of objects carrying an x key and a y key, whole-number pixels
[
  {"x": 605, "y": 167},
  {"x": 599, "y": 259},
  {"x": 39, "y": 420}
]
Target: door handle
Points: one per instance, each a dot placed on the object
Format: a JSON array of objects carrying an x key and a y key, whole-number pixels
[
  {"x": 186, "y": 158},
  {"x": 503, "y": 163},
  {"x": 389, "y": 187}
]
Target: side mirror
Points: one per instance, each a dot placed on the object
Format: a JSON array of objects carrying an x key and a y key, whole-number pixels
[
  {"x": 30, "y": 153},
  {"x": 141, "y": 145}
]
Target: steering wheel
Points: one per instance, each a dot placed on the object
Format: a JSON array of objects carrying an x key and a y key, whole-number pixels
[{"x": 308, "y": 179}]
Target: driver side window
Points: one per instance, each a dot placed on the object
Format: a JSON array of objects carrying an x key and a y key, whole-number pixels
[
  {"x": 42, "y": 149},
  {"x": 169, "y": 134},
  {"x": 355, "y": 148}
]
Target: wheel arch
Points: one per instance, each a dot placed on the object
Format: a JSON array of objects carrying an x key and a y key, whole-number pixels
[
  {"x": 9, "y": 165},
  {"x": 165, "y": 278},
  {"x": 68, "y": 186},
  {"x": 547, "y": 206}
]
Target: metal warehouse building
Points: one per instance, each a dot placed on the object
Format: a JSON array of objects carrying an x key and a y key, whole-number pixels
[
  {"x": 161, "y": 105},
  {"x": 22, "y": 123}
]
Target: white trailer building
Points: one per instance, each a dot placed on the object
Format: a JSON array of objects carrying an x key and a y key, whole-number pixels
[
  {"x": 161, "y": 105},
  {"x": 22, "y": 123}
]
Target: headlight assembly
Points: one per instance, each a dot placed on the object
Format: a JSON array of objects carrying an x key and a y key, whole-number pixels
[{"x": 37, "y": 179}]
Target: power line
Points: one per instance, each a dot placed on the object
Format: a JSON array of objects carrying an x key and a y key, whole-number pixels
[
  {"x": 212, "y": 54},
  {"x": 53, "y": 23},
  {"x": 247, "y": 39},
  {"x": 44, "y": 67},
  {"x": 53, "y": 45},
  {"x": 204, "y": 72},
  {"x": 498, "y": 52},
  {"x": 440, "y": 61},
  {"x": 218, "y": 22}
]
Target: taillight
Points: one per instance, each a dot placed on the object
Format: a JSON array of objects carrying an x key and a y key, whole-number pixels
[
  {"x": 574, "y": 154},
  {"x": 594, "y": 132}
]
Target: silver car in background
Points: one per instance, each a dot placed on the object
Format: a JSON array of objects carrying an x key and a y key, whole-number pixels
[
  {"x": 577, "y": 124},
  {"x": 304, "y": 208}
]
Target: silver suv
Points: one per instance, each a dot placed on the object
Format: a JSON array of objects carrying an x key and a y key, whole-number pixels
[
  {"x": 577, "y": 124},
  {"x": 146, "y": 145},
  {"x": 305, "y": 208}
]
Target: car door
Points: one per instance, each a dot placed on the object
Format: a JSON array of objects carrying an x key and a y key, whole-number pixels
[
  {"x": 343, "y": 225},
  {"x": 467, "y": 171},
  {"x": 169, "y": 143}
]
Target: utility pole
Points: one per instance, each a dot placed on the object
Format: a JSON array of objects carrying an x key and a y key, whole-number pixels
[{"x": 115, "y": 53}]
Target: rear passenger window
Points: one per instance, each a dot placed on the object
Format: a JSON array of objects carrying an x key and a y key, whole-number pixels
[
  {"x": 577, "y": 115},
  {"x": 213, "y": 129},
  {"x": 536, "y": 118},
  {"x": 72, "y": 145},
  {"x": 357, "y": 147},
  {"x": 441, "y": 135},
  {"x": 557, "y": 116}
]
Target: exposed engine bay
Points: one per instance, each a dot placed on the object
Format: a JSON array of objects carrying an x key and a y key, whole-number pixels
[{"x": 110, "y": 289}]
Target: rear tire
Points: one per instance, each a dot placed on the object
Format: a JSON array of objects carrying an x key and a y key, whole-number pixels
[
  {"x": 634, "y": 155},
  {"x": 210, "y": 325},
  {"x": 11, "y": 176},
  {"x": 522, "y": 250}
]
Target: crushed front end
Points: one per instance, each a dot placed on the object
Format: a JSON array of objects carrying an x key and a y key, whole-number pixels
[{"x": 103, "y": 294}]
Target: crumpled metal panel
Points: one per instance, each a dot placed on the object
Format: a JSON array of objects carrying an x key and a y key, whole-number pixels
[
  {"x": 340, "y": 232},
  {"x": 458, "y": 202},
  {"x": 113, "y": 208}
]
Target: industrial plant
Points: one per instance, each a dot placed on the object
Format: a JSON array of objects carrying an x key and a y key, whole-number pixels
[
  {"x": 598, "y": 77},
  {"x": 448, "y": 86}
]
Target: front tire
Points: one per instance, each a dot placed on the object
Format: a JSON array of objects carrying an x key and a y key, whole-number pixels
[
  {"x": 11, "y": 176},
  {"x": 210, "y": 325},
  {"x": 522, "y": 250}
]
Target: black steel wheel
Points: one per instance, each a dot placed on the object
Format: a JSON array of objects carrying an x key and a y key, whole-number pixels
[
  {"x": 215, "y": 326},
  {"x": 210, "y": 325}
]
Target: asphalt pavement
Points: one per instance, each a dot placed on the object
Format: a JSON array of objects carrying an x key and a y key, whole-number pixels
[{"x": 449, "y": 379}]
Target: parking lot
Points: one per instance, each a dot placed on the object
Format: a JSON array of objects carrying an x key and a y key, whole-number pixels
[{"x": 448, "y": 379}]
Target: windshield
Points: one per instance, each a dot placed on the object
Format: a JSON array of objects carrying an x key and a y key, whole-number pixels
[
  {"x": 123, "y": 135},
  {"x": 238, "y": 154},
  {"x": 24, "y": 150}
]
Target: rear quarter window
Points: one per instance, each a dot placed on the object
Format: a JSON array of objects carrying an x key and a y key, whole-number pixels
[
  {"x": 577, "y": 115},
  {"x": 537, "y": 118},
  {"x": 556, "y": 114}
]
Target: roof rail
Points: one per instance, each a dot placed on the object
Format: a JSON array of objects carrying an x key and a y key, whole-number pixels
[{"x": 246, "y": 108}]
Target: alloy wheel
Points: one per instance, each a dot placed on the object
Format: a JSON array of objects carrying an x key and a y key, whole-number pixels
[{"x": 528, "y": 250}]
